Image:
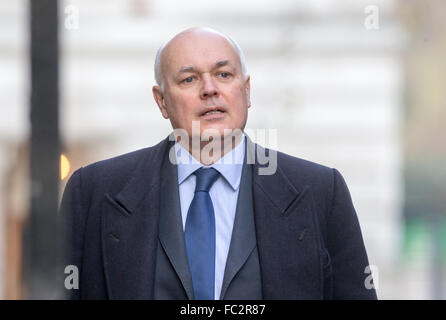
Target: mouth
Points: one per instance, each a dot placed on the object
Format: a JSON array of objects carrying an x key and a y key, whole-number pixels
[{"x": 213, "y": 113}]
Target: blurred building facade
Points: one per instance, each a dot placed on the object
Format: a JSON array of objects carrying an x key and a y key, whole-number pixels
[
  {"x": 333, "y": 86},
  {"x": 424, "y": 248}
]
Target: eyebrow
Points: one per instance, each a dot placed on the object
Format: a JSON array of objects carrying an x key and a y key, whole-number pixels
[
  {"x": 218, "y": 64},
  {"x": 222, "y": 63}
]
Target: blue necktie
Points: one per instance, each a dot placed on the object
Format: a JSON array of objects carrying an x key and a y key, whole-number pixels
[{"x": 200, "y": 235}]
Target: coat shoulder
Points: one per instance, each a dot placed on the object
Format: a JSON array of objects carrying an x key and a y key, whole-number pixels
[
  {"x": 319, "y": 178},
  {"x": 118, "y": 164},
  {"x": 301, "y": 171},
  {"x": 112, "y": 174}
]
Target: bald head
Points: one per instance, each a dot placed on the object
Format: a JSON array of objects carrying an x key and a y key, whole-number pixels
[{"x": 193, "y": 34}]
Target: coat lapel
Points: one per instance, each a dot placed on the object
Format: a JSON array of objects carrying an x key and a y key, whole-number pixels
[
  {"x": 171, "y": 234},
  {"x": 243, "y": 240},
  {"x": 130, "y": 230},
  {"x": 287, "y": 236}
]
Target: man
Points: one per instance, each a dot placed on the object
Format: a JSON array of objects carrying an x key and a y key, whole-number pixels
[{"x": 195, "y": 217}]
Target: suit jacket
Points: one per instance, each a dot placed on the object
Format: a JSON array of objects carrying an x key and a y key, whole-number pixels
[
  {"x": 308, "y": 236},
  {"x": 173, "y": 280}
]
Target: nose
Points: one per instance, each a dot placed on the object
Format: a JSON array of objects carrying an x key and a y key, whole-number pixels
[{"x": 208, "y": 89}]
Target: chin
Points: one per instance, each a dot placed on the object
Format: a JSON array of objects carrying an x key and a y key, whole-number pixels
[
  {"x": 211, "y": 132},
  {"x": 211, "y": 129}
]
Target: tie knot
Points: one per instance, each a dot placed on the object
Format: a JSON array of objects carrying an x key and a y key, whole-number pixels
[{"x": 205, "y": 178}]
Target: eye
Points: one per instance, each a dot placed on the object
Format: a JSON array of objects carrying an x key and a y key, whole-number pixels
[
  {"x": 224, "y": 75},
  {"x": 188, "y": 80}
]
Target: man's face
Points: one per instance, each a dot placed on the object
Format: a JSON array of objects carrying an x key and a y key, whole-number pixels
[{"x": 203, "y": 82}]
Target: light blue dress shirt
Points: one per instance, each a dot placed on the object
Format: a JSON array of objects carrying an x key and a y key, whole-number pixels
[{"x": 224, "y": 194}]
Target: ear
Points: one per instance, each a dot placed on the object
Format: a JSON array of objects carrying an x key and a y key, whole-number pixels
[
  {"x": 247, "y": 86},
  {"x": 159, "y": 98}
]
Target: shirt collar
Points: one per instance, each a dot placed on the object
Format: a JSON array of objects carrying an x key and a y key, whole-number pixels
[{"x": 230, "y": 166}]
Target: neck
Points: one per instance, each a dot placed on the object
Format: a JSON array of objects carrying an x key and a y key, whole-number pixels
[{"x": 209, "y": 152}]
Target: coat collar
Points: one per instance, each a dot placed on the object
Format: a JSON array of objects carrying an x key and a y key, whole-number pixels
[{"x": 276, "y": 187}]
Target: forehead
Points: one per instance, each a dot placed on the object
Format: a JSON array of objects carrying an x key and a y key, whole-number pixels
[{"x": 199, "y": 50}]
